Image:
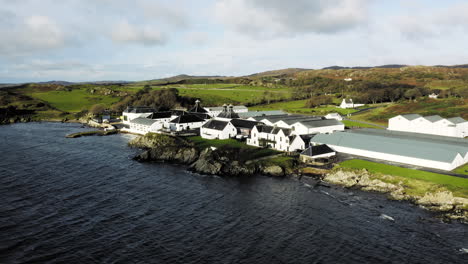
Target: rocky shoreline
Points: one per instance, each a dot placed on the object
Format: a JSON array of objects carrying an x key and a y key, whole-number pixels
[{"x": 222, "y": 162}]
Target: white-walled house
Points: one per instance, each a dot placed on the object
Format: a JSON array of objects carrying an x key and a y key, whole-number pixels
[
  {"x": 312, "y": 154},
  {"x": 218, "y": 129},
  {"x": 142, "y": 125},
  {"x": 348, "y": 103},
  {"x": 185, "y": 122},
  {"x": 300, "y": 142},
  {"x": 422, "y": 150},
  {"x": 433, "y": 96},
  {"x": 133, "y": 112},
  {"x": 282, "y": 138},
  {"x": 317, "y": 126},
  {"x": 215, "y": 111},
  {"x": 261, "y": 136},
  {"x": 434, "y": 125},
  {"x": 335, "y": 116}
]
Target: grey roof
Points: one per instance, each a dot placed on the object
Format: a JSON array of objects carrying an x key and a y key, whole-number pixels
[
  {"x": 228, "y": 112},
  {"x": 197, "y": 108},
  {"x": 411, "y": 116},
  {"x": 348, "y": 101},
  {"x": 433, "y": 118},
  {"x": 220, "y": 108},
  {"x": 157, "y": 115},
  {"x": 216, "y": 124},
  {"x": 242, "y": 123},
  {"x": 321, "y": 123},
  {"x": 413, "y": 145},
  {"x": 290, "y": 119},
  {"x": 286, "y": 131},
  {"x": 456, "y": 120},
  {"x": 143, "y": 121},
  {"x": 317, "y": 150},
  {"x": 188, "y": 118},
  {"x": 139, "y": 109},
  {"x": 261, "y": 113},
  {"x": 264, "y": 128}
]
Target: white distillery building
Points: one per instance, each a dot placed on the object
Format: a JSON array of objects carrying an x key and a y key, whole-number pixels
[
  {"x": 335, "y": 116},
  {"x": 215, "y": 111},
  {"x": 421, "y": 150},
  {"x": 185, "y": 122},
  {"x": 348, "y": 103},
  {"x": 218, "y": 129},
  {"x": 434, "y": 125},
  {"x": 308, "y": 127},
  {"x": 153, "y": 123},
  {"x": 133, "y": 112}
]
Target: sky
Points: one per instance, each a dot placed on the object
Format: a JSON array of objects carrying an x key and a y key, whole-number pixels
[{"x": 92, "y": 40}]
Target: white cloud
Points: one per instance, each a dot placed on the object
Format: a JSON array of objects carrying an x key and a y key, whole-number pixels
[
  {"x": 127, "y": 33},
  {"x": 174, "y": 15},
  {"x": 29, "y": 34},
  {"x": 270, "y": 18}
]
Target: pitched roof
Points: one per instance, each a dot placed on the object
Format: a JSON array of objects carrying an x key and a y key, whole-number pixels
[
  {"x": 157, "y": 115},
  {"x": 348, "y": 101},
  {"x": 216, "y": 124},
  {"x": 406, "y": 144},
  {"x": 143, "y": 121},
  {"x": 178, "y": 112},
  {"x": 411, "y": 116},
  {"x": 220, "y": 108},
  {"x": 456, "y": 120},
  {"x": 320, "y": 123},
  {"x": 317, "y": 150},
  {"x": 242, "y": 123},
  {"x": 276, "y": 130},
  {"x": 197, "y": 108},
  {"x": 433, "y": 118},
  {"x": 139, "y": 109},
  {"x": 188, "y": 118},
  {"x": 261, "y": 113},
  {"x": 264, "y": 128},
  {"x": 228, "y": 112}
]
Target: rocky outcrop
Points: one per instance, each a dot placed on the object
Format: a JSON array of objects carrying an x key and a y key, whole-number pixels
[
  {"x": 440, "y": 201},
  {"x": 183, "y": 155},
  {"x": 215, "y": 162}
]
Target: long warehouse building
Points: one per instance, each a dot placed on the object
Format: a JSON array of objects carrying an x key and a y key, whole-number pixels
[{"x": 438, "y": 152}]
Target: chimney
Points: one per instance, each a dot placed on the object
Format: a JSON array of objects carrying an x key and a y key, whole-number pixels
[
  {"x": 224, "y": 107},
  {"x": 231, "y": 108}
]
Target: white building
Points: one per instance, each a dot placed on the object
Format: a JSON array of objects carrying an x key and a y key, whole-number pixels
[
  {"x": 308, "y": 127},
  {"x": 348, "y": 103},
  {"x": 300, "y": 142},
  {"x": 434, "y": 125},
  {"x": 133, "y": 112},
  {"x": 218, "y": 129},
  {"x": 433, "y": 96},
  {"x": 261, "y": 113},
  {"x": 261, "y": 136},
  {"x": 421, "y": 150},
  {"x": 215, "y": 111},
  {"x": 185, "y": 122},
  {"x": 142, "y": 125},
  {"x": 335, "y": 116}
]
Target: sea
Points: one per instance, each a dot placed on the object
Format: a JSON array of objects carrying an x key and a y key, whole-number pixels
[{"x": 84, "y": 200}]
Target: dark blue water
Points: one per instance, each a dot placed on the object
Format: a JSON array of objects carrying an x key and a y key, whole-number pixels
[{"x": 84, "y": 200}]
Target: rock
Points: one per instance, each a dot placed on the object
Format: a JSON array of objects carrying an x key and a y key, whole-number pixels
[{"x": 273, "y": 170}]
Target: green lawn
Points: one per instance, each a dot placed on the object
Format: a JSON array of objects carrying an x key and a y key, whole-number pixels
[
  {"x": 418, "y": 181},
  {"x": 74, "y": 100},
  {"x": 357, "y": 124},
  {"x": 462, "y": 170},
  {"x": 249, "y": 152},
  {"x": 299, "y": 107}
]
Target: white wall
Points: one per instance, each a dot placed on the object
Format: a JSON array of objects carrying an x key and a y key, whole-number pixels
[
  {"x": 184, "y": 126},
  {"x": 300, "y": 129},
  {"x": 448, "y": 166},
  {"x": 228, "y": 132},
  {"x": 421, "y": 125},
  {"x": 131, "y": 116}
]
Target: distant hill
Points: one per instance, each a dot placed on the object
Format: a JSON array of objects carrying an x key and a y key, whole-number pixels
[
  {"x": 181, "y": 77},
  {"x": 282, "y": 72},
  {"x": 389, "y": 66}
]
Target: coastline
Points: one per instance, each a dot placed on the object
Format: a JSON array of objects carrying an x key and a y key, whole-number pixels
[{"x": 225, "y": 162}]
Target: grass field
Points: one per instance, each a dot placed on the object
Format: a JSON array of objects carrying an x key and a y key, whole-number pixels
[
  {"x": 357, "y": 124},
  {"x": 249, "y": 152},
  {"x": 462, "y": 170},
  {"x": 299, "y": 107},
  {"x": 419, "y": 182},
  {"x": 74, "y": 100}
]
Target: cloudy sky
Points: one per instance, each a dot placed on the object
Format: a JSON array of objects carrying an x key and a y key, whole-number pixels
[{"x": 85, "y": 40}]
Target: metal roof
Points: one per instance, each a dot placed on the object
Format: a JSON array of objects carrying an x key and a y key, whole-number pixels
[
  {"x": 244, "y": 123},
  {"x": 220, "y": 108},
  {"x": 411, "y": 116},
  {"x": 216, "y": 124},
  {"x": 139, "y": 109},
  {"x": 433, "y": 118},
  {"x": 264, "y": 128},
  {"x": 317, "y": 150},
  {"x": 188, "y": 118},
  {"x": 456, "y": 120},
  {"x": 143, "y": 121},
  {"x": 261, "y": 113},
  {"x": 320, "y": 123},
  {"x": 397, "y": 144}
]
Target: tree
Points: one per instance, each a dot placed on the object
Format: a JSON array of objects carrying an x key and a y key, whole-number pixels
[
  {"x": 412, "y": 94},
  {"x": 97, "y": 109}
]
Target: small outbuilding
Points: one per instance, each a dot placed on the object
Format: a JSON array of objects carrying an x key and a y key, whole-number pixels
[{"x": 319, "y": 154}]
